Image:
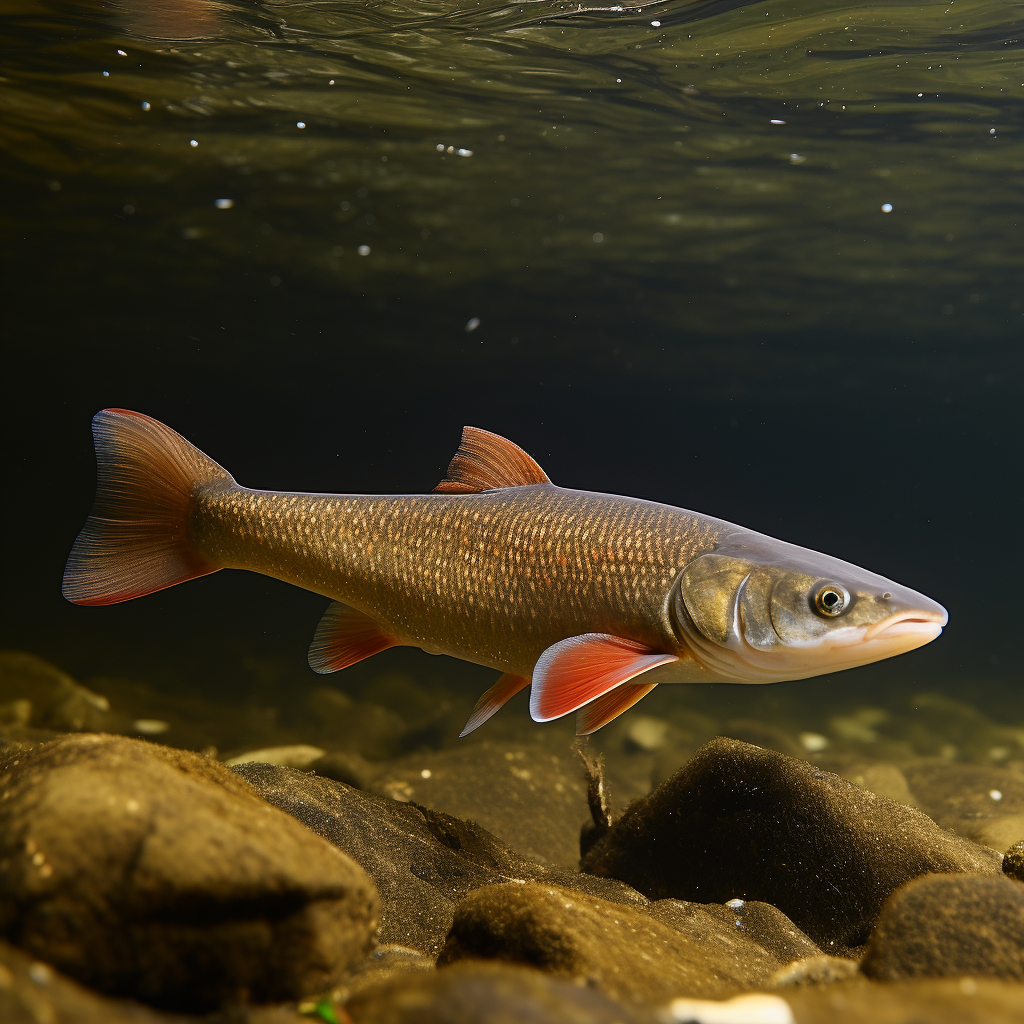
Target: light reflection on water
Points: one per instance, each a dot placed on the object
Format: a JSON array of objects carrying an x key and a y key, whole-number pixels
[{"x": 730, "y": 151}]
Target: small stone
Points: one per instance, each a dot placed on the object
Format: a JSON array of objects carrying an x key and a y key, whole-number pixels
[
  {"x": 949, "y": 926},
  {"x": 621, "y": 950},
  {"x": 647, "y": 733},
  {"x": 1013, "y": 862},
  {"x": 821, "y": 969}
]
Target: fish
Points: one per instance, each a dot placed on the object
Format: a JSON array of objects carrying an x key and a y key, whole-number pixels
[{"x": 592, "y": 600}]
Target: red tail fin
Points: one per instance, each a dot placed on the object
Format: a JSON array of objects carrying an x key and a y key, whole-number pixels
[{"x": 137, "y": 539}]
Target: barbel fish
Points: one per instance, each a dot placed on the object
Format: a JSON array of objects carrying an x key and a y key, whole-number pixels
[{"x": 594, "y": 599}]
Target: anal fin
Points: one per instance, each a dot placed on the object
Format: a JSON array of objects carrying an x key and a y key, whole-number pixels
[
  {"x": 503, "y": 690},
  {"x": 344, "y": 637},
  {"x": 600, "y": 712}
]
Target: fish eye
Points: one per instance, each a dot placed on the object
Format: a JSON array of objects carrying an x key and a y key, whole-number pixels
[{"x": 830, "y": 600}]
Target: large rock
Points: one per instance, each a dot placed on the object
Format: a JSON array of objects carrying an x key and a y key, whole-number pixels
[
  {"x": 157, "y": 873},
  {"x": 950, "y": 926},
  {"x": 422, "y": 861},
  {"x": 628, "y": 953},
  {"x": 739, "y": 821}
]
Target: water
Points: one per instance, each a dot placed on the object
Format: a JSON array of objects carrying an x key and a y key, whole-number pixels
[{"x": 760, "y": 260}]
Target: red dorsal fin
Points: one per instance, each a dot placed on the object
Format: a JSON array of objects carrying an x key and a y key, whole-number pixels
[
  {"x": 576, "y": 671},
  {"x": 598, "y": 714},
  {"x": 504, "y": 689},
  {"x": 344, "y": 637},
  {"x": 487, "y": 462}
]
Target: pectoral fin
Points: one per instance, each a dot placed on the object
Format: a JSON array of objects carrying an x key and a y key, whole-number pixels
[
  {"x": 578, "y": 670},
  {"x": 598, "y": 714},
  {"x": 344, "y": 637},
  {"x": 505, "y": 688}
]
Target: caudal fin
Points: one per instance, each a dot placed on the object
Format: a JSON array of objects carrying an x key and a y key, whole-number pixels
[{"x": 137, "y": 539}]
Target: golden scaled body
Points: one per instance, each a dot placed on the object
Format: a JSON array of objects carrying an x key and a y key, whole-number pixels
[{"x": 493, "y": 578}]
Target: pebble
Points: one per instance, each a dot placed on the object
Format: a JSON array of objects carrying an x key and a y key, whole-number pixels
[{"x": 746, "y": 1009}]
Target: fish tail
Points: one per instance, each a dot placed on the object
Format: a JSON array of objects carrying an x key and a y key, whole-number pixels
[{"x": 138, "y": 538}]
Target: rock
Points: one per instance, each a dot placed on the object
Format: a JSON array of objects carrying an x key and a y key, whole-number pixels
[
  {"x": 531, "y": 797},
  {"x": 950, "y": 926},
  {"x": 821, "y": 969},
  {"x": 925, "y": 1001},
  {"x": 1013, "y": 862},
  {"x": 422, "y": 861},
  {"x": 626, "y": 952},
  {"x": 297, "y": 755},
  {"x": 487, "y": 993},
  {"x": 32, "y": 992},
  {"x": 738, "y": 821},
  {"x": 983, "y": 802},
  {"x": 156, "y": 873},
  {"x": 55, "y": 700}
]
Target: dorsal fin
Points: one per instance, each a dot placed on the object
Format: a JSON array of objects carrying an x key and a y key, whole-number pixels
[{"x": 486, "y": 462}]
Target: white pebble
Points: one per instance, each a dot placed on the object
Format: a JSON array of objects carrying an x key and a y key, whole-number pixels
[
  {"x": 145, "y": 105},
  {"x": 464, "y": 152},
  {"x": 106, "y": 74},
  {"x": 121, "y": 53},
  {"x": 752, "y": 1008},
  {"x": 39, "y": 973},
  {"x": 300, "y": 124},
  {"x": 440, "y": 147},
  {"x": 735, "y": 904},
  {"x": 886, "y": 207},
  {"x": 224, "y": 204},
  {"x": 813, "y": 741},
  {"x": 193, "y": 143},
  {"x": 598, "y": 237},
  {"x": 363, "y": 250},
  {"x": 426, "y": 773},
  {"x": 150, "y": 726},
  {"x": 656, "y": 24},
  {"x": 472, "y": 324},
  {"x": 796, "y": 158},
  {"x": 995, "y": 794},
  {"x": 775, "y": 120}
]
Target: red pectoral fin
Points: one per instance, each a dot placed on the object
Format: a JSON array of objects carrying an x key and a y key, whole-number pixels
[
  {"x": 598, "y": 714},
  {"x": 344, "y": 637},
  {"x": 505, "y": 688},
  {"x": 576, "y": 671}
]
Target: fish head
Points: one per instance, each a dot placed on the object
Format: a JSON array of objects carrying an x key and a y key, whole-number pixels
[{"x": 760, "y": 610}]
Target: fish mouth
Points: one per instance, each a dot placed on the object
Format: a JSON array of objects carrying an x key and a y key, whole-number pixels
[{"x": 916, "y": 624}]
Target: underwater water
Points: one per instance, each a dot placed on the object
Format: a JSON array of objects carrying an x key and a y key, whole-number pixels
[{"x": 763, "y": 260}]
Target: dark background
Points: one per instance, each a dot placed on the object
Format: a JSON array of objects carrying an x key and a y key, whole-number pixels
[{"x": 894, "y": 451}]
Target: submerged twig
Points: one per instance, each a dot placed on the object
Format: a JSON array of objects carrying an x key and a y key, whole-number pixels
[{"x": 597, "y": 795}]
